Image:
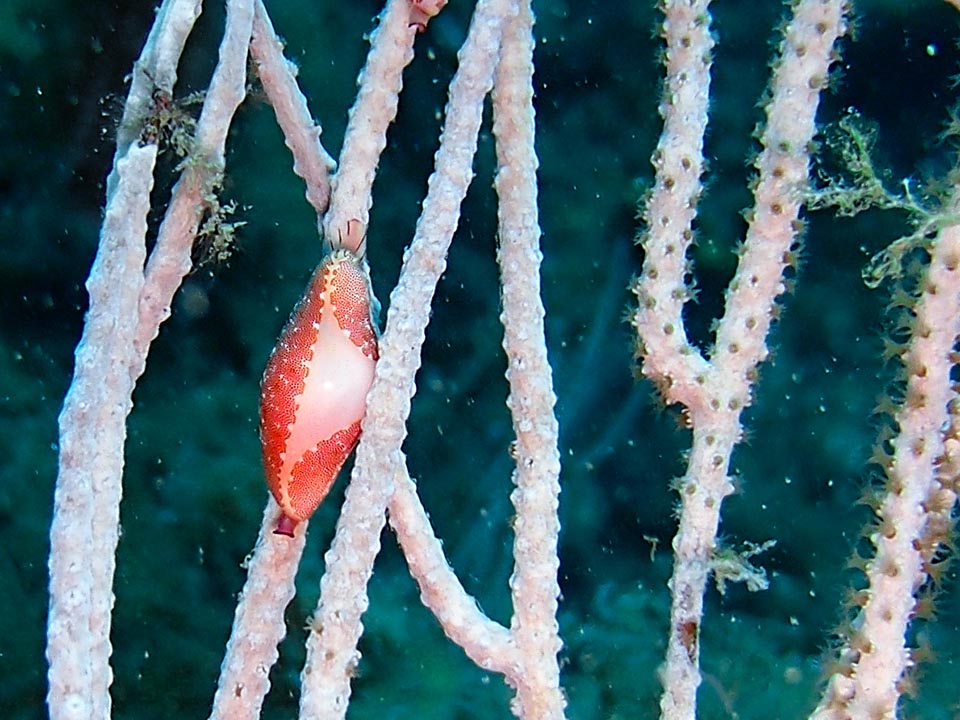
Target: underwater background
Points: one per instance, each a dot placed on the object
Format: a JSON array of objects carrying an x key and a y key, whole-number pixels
[{"x": 193, "y": 487}]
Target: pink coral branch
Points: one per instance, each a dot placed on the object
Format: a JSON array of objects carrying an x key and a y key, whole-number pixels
[
  {"x": 714, "y": 392},
  {"x": 258, "y": 624},
  {"x": 170, "y": 261},
  {"x": 391, "y": 50},
  {"x": 913, "y": 518},
  {"x": 85, "y": 528},
  {"x": 311, "y": 162}
]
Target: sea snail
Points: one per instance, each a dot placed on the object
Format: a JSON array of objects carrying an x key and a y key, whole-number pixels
[{"x": 314, "y": 388}]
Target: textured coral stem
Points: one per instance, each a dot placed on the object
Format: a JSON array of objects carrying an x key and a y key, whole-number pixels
[
  {"x": 715, "y": 392},
  {"x": 876, "y": 658},
  {"x": 534, "y": 587}
]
